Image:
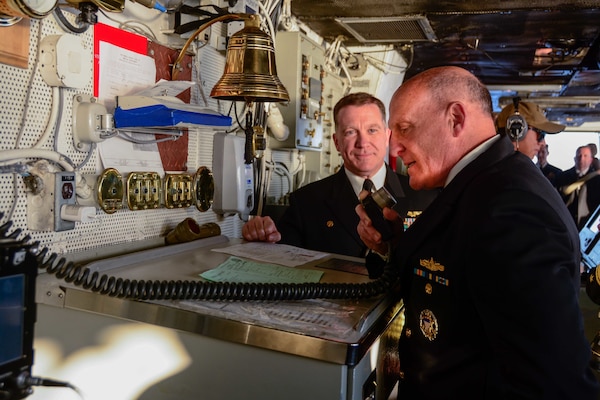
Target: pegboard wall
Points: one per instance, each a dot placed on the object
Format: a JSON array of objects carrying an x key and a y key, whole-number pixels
[{"x": 26, "y": 102}]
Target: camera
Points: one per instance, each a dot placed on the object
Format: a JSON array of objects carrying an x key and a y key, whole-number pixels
[
  {"x": 18, "y": 272},
  {"x": 374, "y": 204}
]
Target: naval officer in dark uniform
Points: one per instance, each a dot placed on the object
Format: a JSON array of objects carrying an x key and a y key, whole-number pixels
[
  {"x": 489, "y": 272},
  {"x": 321, "y": 215}
]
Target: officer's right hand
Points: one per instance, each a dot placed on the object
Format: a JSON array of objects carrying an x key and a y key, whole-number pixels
[{"x": 261, "y": 229}]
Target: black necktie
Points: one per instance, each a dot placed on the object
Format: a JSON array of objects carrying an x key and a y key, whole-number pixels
[{"x": 368, "y": 185}]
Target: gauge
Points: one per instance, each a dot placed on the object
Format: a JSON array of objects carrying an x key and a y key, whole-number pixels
[
  {"x": 205, "y": 189},
  {"x": 40, "y": 7},
  {"x": 27, "y": 8}
]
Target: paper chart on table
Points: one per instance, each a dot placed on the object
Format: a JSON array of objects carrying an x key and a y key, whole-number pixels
[{"x": 282, "y": 254}]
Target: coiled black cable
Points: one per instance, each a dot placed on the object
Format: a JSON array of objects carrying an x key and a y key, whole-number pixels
[{"x": 200, "y": 290}]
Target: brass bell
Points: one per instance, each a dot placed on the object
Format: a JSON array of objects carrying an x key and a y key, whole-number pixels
[{"x": 250, "y": 73}]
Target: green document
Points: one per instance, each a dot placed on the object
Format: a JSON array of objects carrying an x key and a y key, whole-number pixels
[{"x": 238, "y": 270}]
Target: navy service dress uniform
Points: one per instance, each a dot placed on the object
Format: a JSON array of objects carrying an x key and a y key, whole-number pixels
[
  {"x": 322, "y": 215},
  {"x": 490, "y": 282}
]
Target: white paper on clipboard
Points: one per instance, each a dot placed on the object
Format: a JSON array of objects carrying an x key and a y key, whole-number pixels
[{"x": 124, "y": 72}]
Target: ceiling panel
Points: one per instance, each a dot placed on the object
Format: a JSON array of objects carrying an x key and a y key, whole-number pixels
[{"x": 504, "y": 43}]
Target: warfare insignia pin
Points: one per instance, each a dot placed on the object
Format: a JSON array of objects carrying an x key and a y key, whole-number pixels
[
  {"x": 428, "y": 324},
  {"x": 432, "y": 265}
]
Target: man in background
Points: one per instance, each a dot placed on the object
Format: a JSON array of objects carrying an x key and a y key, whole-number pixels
[
  {"x": 580, "y": 186},
  {"x": 550, "y": 171},
  {"x": 595, "y": 160},
  {"x": 526, "y": 137}
]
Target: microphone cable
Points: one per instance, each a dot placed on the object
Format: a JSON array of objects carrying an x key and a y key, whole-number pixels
[{"x": 200, "y": 290}]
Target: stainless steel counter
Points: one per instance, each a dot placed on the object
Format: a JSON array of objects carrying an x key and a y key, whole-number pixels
[{"x": 334, "y": 332}]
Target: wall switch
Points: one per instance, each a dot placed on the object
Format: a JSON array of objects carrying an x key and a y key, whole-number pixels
[
  {"x": 64, "y": 193},
  {"x": 143, "y": 190},
  {"x": 178, "y": 190}
]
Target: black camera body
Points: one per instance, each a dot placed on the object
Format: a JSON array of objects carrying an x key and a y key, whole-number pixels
[
  {"x": 18, "y": 272},
  {"x": 374, "y": 204}
]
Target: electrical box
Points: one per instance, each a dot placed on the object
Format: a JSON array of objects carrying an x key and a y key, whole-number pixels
[
  {"x": 313, "y": 95},
  {"x": 64, "y": 61},
  {"x": 301, "y": 70},
  {"x": 52, "y": 191}
]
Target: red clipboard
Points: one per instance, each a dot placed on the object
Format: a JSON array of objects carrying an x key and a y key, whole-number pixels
[
  {"x": 173, "y": 153},
  {"x": 118, "y": 37}
]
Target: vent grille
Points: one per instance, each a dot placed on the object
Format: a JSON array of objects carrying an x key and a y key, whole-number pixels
[{"x": 390, "y": 29}]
